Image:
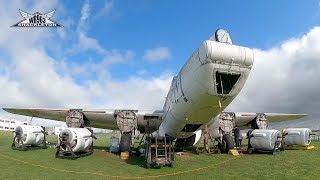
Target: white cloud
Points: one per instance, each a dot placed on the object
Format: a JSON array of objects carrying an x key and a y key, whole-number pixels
[
  {"x": 158, "y": 54},
  {"x": 32, "y": 80},
  {"x": 85, "y": 13},
  {"x": 85, "y": 42},
  {"x": 135, "y": 92},
  {"x": 36, "y": 79},
  {"x": 284, "y": 78},
  {"x": 117, "y": 57},
  {"x": 106, "y": 9},
  {"x": 67, "y": 23}
]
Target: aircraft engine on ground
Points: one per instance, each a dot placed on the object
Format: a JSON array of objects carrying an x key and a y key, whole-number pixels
[
  {"x": 265, "y": 139},
  {"x": 28, "y": 137},
  {"x": 76, "y": 139},
  {"x": 297, "y": 136}
]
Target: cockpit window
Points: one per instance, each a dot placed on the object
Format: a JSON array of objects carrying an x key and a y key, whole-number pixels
[{"x": 225, "y": 82}]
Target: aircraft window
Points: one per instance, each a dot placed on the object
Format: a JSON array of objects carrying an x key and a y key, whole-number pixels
[
  {"x": 25, "y": 123},
  {"x": 191, "y": 127},
  {"x": 1, "y": 127},
  {"x": 11, "y": 121},
  {"x": 1, "y": 120},
  {"x": 225, "y": 82},
  {"x": 6, "y": 127}
]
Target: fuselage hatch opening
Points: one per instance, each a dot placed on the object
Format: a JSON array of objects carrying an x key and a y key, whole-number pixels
[{"x": 225, "y": 82}]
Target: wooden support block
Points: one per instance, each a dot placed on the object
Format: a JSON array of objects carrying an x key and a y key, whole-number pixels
[{"x": 234, "y": 152}]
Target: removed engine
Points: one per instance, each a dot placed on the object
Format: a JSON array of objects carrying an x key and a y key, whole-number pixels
[
  {"x": 265, "y": 140},
  {"x": 74, "y": 143},
  {"x": 297, "y": 136},
  {"x": 28, "y": 137}
]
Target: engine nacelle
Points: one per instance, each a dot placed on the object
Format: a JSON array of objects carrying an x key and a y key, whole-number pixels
[
  {"x": 126, "y": 120},
  {"x": 29, "y": 135},
  {"x": 260, "y": 122},
  {"x": 264, "y": 139},
  {"x": 79, "y": 139},
  {"x": 75, "y": 118},
  {"x": 297, "y": 136}
]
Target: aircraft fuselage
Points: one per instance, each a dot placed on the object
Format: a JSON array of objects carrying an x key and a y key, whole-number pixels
[{"x": 207, "y": 83}]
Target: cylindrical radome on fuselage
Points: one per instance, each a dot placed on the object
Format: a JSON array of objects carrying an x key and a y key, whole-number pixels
[
  {"x": 194, "y": 97},
  {"x": 80, "y": 139},
  {"x": 297, "y": 136},
  {"x": 30, "y": 135},
  {"x": 212, "y": 51}
]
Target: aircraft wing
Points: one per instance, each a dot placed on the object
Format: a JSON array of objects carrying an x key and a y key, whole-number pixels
[
  {"x": 246, "y": 118},
  {"x": 94, "y": 118}
]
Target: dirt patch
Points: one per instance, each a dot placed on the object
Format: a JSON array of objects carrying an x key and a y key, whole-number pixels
[{"x": 102, "y": 153}]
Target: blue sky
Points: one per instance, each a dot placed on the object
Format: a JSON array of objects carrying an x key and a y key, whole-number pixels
[
  {"x": 123, "y": 54},
  {"x": 181, "y": 26}
]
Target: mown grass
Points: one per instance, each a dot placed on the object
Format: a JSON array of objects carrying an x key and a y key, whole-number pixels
[{"x": 36, "y": 164}]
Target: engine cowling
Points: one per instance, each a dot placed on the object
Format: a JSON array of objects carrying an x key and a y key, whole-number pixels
[
  {"x": 29, "y": 135},
  {"x": 260, "y": 122},
  {"x": 297, "y": 136},
  {"x": 75, "y": 118},
  {"x": 126, "y": 120},
  {"x": 80, "y": 139},
  {"x": 264, "y": 139}
]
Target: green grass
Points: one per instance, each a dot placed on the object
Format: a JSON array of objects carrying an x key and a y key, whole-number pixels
[{"x": 36, "y": 164}]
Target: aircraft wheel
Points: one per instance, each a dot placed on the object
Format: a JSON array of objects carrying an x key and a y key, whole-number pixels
[
  {"x": 125, "y": 143},
  {"x": 226, "y": 144}
]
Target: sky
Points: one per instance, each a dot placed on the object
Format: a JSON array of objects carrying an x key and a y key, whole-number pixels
[{"x": 123, "y": 54}]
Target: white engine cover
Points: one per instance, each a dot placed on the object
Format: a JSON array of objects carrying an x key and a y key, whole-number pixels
[
  {"x": 297, "y": 136},
  {"x": 30, "y": 135},
  {"x": 80, "y": 139},
  {"x": 264, "y": 139}
]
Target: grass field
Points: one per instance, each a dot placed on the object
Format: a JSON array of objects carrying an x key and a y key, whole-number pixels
[{"x": 36, "y": 164}]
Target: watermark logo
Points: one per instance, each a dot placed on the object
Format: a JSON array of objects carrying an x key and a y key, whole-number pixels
[{"x": 36, "y": 20}]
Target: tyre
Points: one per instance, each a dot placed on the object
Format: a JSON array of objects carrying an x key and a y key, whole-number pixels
[
  {"x": 125, "y": 143},
  {"x": 226, "y": 144}
]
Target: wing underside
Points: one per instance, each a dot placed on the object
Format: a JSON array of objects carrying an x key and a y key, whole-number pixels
[
  {"x": 246, "y": 118},
  {"x": 95, "y": 118}
]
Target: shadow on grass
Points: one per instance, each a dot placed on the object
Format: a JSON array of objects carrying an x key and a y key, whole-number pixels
[{"x": 137, "y": 161}]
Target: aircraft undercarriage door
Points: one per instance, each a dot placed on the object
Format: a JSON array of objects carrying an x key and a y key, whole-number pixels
[
  {"x": 126, "y": 120},
  {"x": 260, "y": 122},
  {"x": 75, "y": 118},
  {"x": 227, "y": 122}
]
